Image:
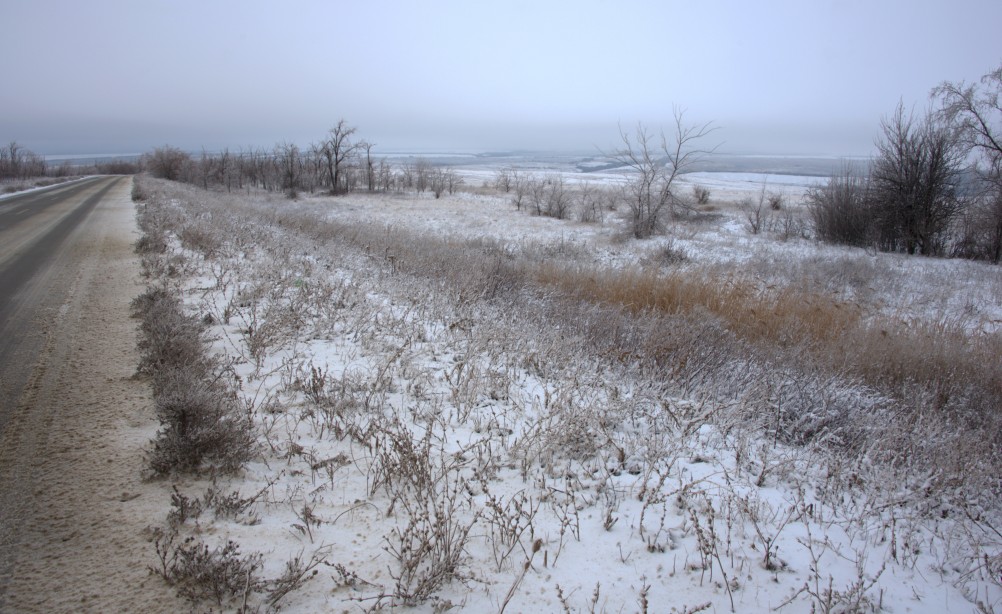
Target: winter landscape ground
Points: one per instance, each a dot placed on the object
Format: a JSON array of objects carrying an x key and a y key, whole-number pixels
[{"x": 457, "y": 405}]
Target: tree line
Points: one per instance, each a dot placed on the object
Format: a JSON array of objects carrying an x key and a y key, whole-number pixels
[
  {"x": 336, "y": 164},
  {"x": 935, "y": 185},
  {"x": 17, "y": 163}
]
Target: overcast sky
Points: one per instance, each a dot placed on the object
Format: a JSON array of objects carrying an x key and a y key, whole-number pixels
[{"x": 796, "y": 77}]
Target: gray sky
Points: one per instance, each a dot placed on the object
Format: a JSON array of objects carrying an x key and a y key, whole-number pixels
[{"x": 805, "y": 76}]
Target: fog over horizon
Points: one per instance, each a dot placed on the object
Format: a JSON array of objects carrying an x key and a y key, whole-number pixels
[{"x": 779, "y": 77}]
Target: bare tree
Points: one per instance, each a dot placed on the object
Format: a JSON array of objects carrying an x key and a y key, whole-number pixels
[
  {"x": 437, "y": 182},
  {"x": 521, "y": 185},
  {"x": 166, "y": 162},
  {"x": 505, "y": 179},
  {"x": 840, "y": 208},
  {"x": 224, "y": 171},
  {"x": 656, "y": 166},
  {"x": 370, "y": 169},
  {"x": 65, "y": 169},
  {"x": 315, "y": 163},
  {"x": 422, "y": 174},
  {"x": 386, "y": 176},
  {"x": 914, "y": 183},
  {"x": 290, "y": 164},
  {"x": 453, "y": 180},
  {"x": 337, "y": 149},
  {"x": 753, "y": 211},
  {"x": 592, "y": 203},
  {"x": 205, "y": 164},
  {"x": 558, "y": 198},
  {"x": 16, "y": 162},
  {"x": 10, "y": 161},
  {"x": 980, "y": 228},
  {"x": 976, "y": 110},
  {"x": 536, "y": 191},
  {"x": 406, "y": 177}
]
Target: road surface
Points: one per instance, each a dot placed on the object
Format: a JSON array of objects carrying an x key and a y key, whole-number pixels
[{"x": 73, "y": 420}]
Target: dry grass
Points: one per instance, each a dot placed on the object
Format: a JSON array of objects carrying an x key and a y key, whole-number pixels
[
  {"x": 800, "y": 317},
  {"x": 785, "y": 316},
  {"x": 883, "y": 351}
]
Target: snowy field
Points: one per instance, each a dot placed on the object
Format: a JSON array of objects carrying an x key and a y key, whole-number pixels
[{"x": 444, "y": 425}]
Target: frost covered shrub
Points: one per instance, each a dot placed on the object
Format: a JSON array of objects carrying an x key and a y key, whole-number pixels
[
  {"x": 138, "y": 194},
  {"x": 839, "y": 209},
  {"x": 201, "y": 573},
  {"x": 670, "y": 253},
  {"x": 701, "y": 194},
  {"x": 151, "y": 244},
  {"x": 979, "y": 230},
  {"x": 429, "y": 545},
  {"x": 199, "y": 239},
  {"x": 200, "y": 422},
  {"x": 170, "y": 339}
]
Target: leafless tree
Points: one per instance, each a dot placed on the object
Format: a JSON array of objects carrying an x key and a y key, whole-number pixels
[
  {"x": 315, "y": 164},
  {"x": 386, "y": 176},
  {"x": 333, "y": 162},
  {"x": 914, "y": 183},
  {"x": 12, "y": 159},
  {"x": 976, "y": 109},
  {"x": 505, "y": 179},
  {"x": 536, "y": 191},
  {"x": 337, "y": 149},
  {"x": 65, "y": 169},
  {"x": 437, "y": 182},
  {"x": 225, "y": 170},
  {"x": 656, "y": 164},
  {"x": 422, "y": 174},
  {"x": 558, "y": 197},
  {"x": 521, "y": 186},
  {"x": 593, "y": 201},
  {"x": 840, "y": 208},
  {"x": 205, "y": 164},
  {"x": 258, "y": 165},
  {"x": 980, "y": 228},
  {"x": 166, "y": 162},
  {"x": 17, "y": 162},
  {"x": 290, "y": 164},
  {"x": 452, "y": 180},
  {"x": 754, "y": 211},
  {"x": 407, "y": 177},
  {"x": 370, "y": 169}
]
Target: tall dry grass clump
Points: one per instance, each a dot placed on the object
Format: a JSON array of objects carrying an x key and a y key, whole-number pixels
[
  {"x": 939, "y": 367},
  {"x": 785, "y": 316}
]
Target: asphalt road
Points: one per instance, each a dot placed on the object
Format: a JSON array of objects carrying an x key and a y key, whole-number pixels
[
  {"x": 74, "y": 422},
  {"x": 35, "y": 230}
]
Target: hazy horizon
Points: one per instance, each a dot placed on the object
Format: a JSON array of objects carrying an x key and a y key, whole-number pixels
[{"x": 782, "y": 78}]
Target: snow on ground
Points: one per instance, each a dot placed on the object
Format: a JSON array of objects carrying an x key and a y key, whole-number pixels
[
  {"x": 443, "y": 451},
  {"x": 933, "y": 290}
]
